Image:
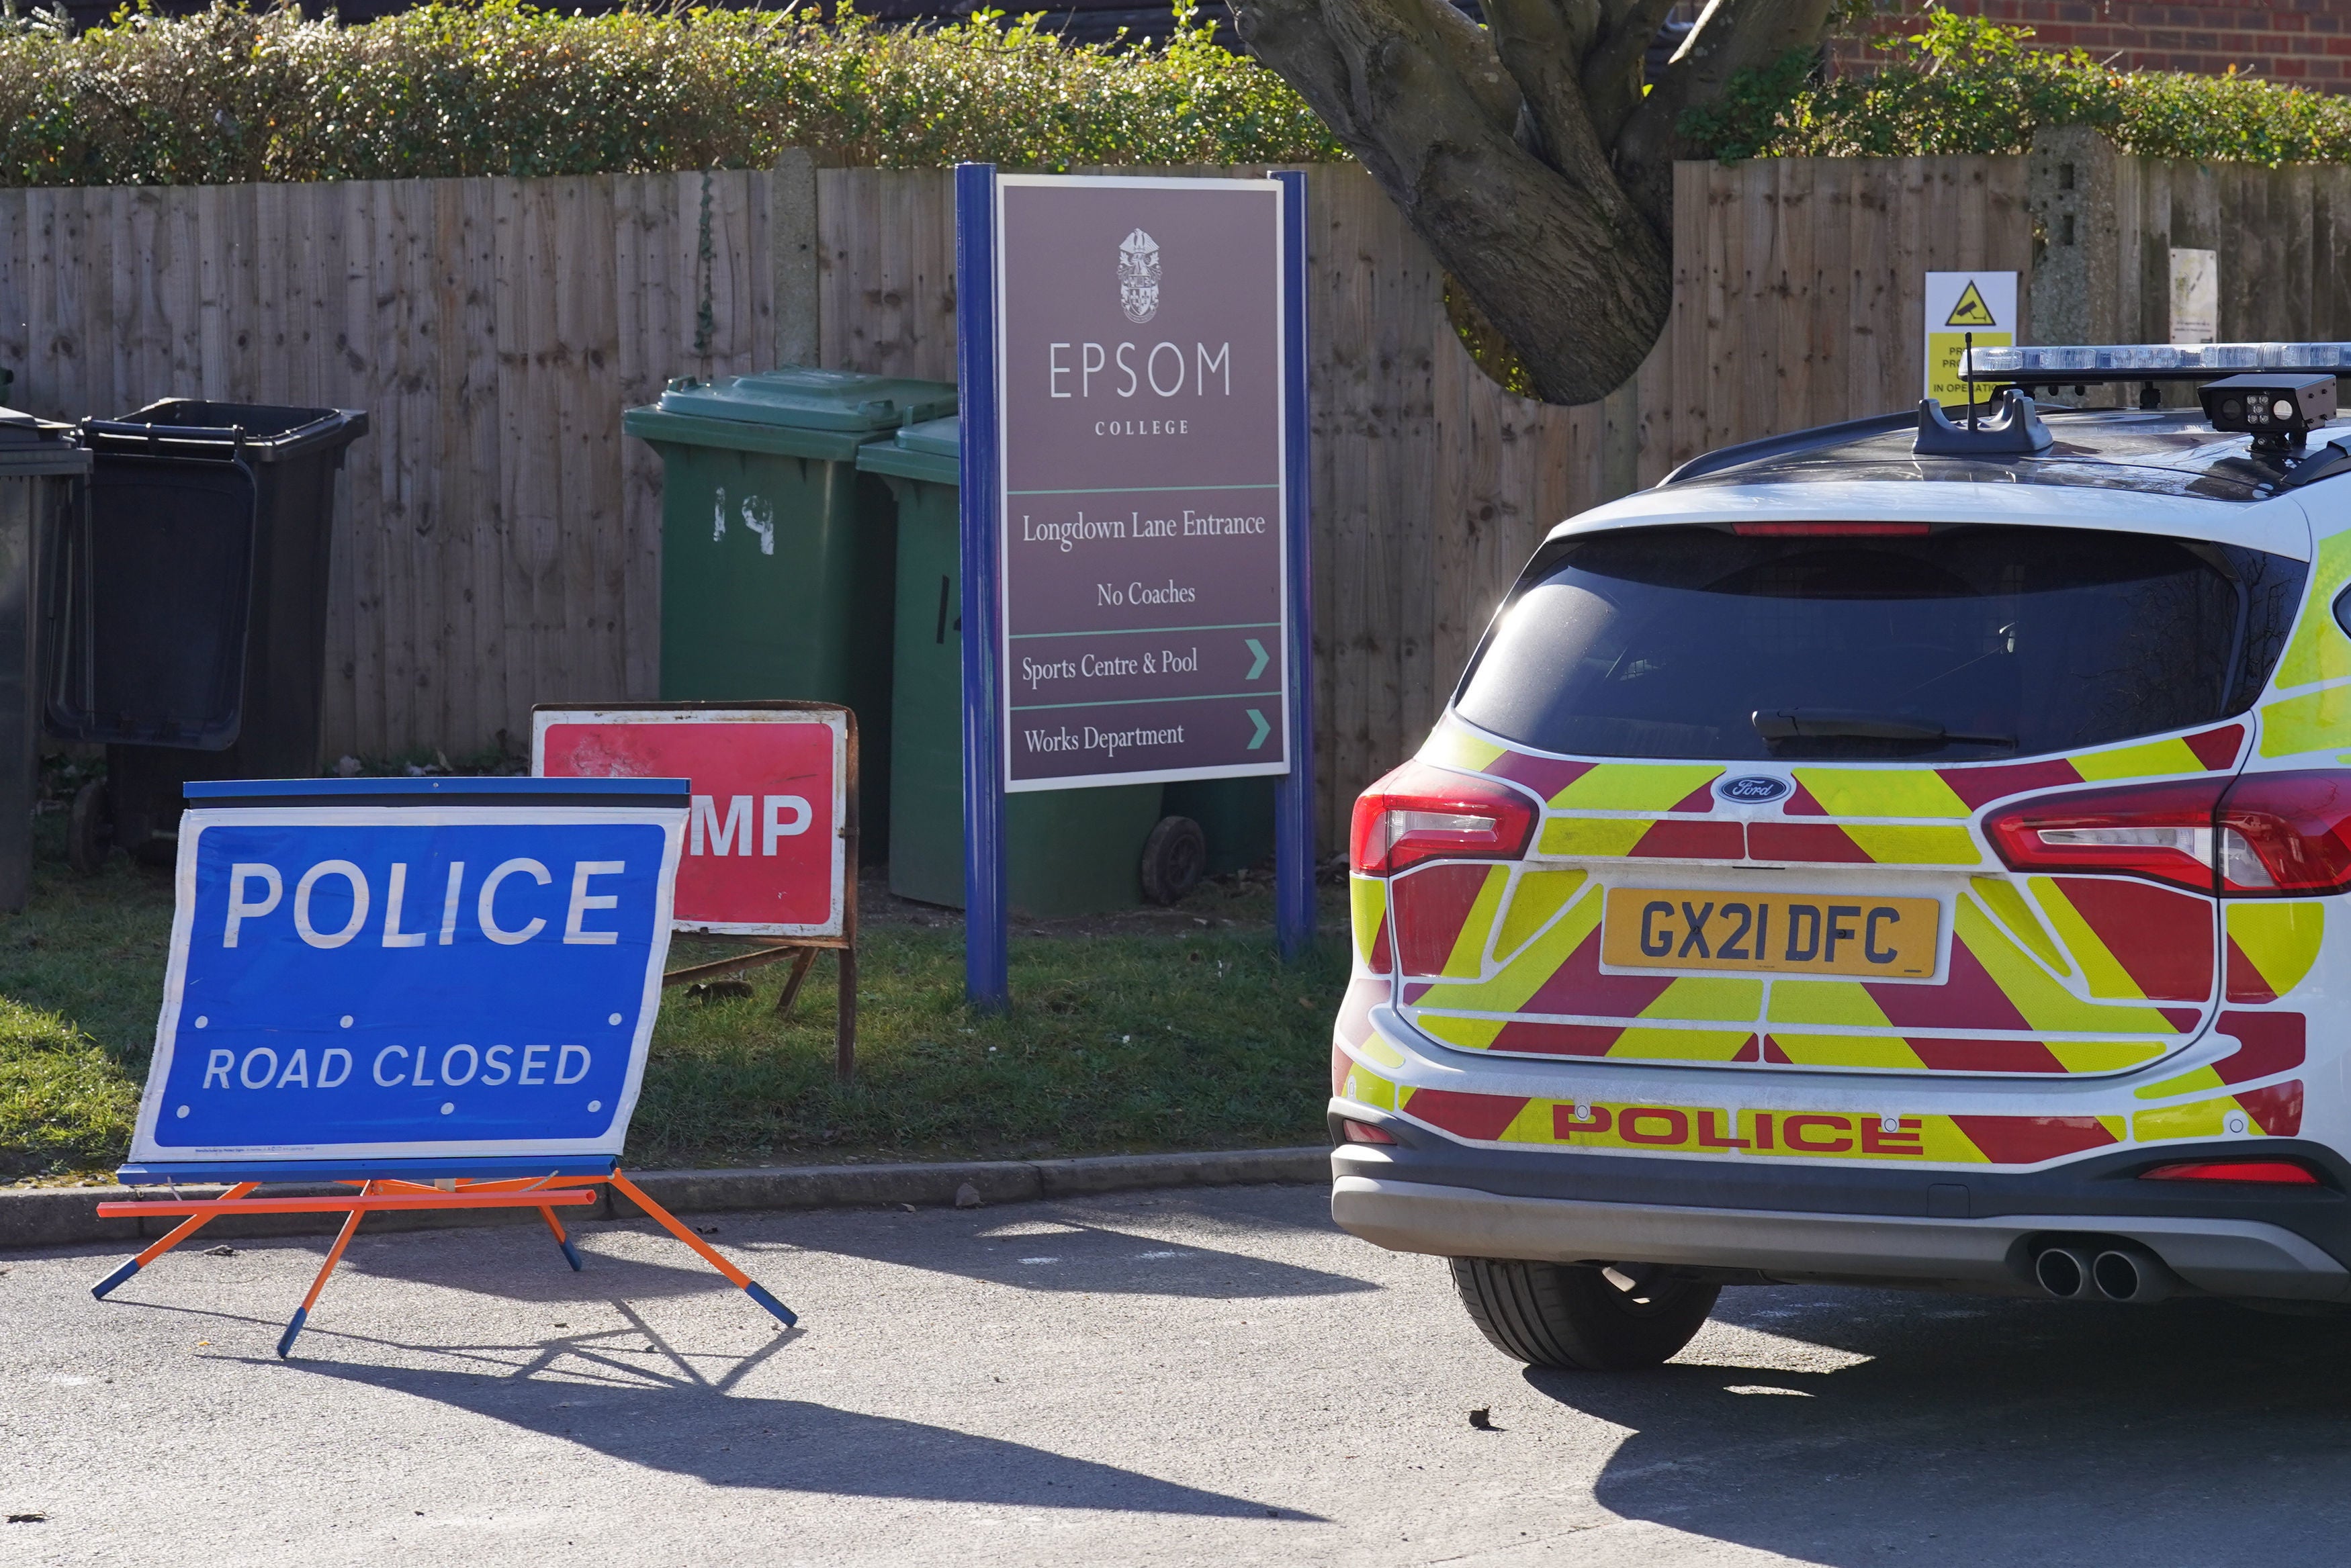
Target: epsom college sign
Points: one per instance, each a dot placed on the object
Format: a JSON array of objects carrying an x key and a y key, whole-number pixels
[
  {"x": 1139, "y": 394},
  {"x": 1133, "y": 381}
]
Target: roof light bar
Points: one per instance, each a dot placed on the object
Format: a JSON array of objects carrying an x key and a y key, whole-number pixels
[{"x": 2053, "y": 364}]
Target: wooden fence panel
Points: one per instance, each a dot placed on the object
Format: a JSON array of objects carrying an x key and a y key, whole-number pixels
[{"x": 498, "y": 539}]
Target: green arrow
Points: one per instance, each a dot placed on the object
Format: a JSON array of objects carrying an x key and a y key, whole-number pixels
[
  {"x": 1258, "y": 668},
  {"x": 1263, "y": 729}
]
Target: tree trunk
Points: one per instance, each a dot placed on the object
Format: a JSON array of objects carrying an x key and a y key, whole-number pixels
[{"x": 1524, "y": 153}]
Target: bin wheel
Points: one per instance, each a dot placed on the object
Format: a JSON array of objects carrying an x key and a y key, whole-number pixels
[
  {"x": 1173, "y": 858},
  {"x": 89, "y": 833}
]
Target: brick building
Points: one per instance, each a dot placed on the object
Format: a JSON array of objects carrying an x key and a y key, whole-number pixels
[{"x": 2301, "y": 43}]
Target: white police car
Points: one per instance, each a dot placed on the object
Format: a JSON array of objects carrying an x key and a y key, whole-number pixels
[{"x": 1907, "y": 852}]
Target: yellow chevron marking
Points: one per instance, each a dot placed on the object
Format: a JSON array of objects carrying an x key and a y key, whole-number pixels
[
  {"x": 1825, "y": 1001},
  {"x": 2205, "y": 1118},
  {"x": 1915, "y": 846},
  {"x": 2100, "y": 971},
  {"x": 1612, "y": 836},
  {"x": 1681, "y": 1045},
  {"x": 2143, "y": 761},
  {"x": 1508, "y": 989},
  {"x": 2318, "y": 721},
  {"x": 1531, "y": 1125},
  {"x": 1633, "y": 787},
  {"x": 1369, "y": 1088},
  {"x": 2003, "y": 897},
  {"x": 2194, "y": 1081},
  {"x": 1367, "y": 904},
  {"x": 1378, "y": 1049},
  {"x": 1451, "y": 746},
  {"x": 1847, "y": 1051},
  {"x": 1882, "y": 792},
  {"x": 1466, "y": 961},
  {"x": 1469, "y": 1034},
  {"x": 2319, "y": 651},
  {"x": 2045, "y": 1004},
  {"x": 1716, "y": 999},
  {"x": 2103, "y": 1056},
  {"x": 1537, "y": 896},
  {"x": 2279, "y": 939}
]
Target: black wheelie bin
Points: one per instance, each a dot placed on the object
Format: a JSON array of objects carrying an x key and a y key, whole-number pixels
[{"x": 187, "y": 608}]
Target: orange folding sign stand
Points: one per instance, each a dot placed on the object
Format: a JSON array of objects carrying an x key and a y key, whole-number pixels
[
  {"x": 435, "y": 994},
  {"x": 385, "y": 1194}
]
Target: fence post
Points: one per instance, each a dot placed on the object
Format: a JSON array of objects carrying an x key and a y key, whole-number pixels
[
  {"x": 2079, "y": 292},
  {"x": 792, "y": 241}
]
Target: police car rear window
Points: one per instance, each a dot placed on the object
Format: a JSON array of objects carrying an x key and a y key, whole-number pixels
[{"x": 1968, "y": 643}]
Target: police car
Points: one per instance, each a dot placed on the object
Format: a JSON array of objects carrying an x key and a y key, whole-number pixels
[{"x": 1909, "y": 852}]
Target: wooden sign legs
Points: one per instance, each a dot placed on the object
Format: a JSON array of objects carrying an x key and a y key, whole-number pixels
[{"x": 377, "y": 1194}]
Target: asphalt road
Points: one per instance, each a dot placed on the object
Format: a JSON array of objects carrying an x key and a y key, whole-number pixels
[{"x": 1207, "y": 1377}]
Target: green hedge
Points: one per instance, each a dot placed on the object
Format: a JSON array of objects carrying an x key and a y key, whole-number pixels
[
  {"x": 232, "y": 94},
  {"x": 1965, "y": 85}
]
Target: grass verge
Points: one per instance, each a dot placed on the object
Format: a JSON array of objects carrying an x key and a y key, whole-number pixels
[{"x": 1175, "y": 1029}]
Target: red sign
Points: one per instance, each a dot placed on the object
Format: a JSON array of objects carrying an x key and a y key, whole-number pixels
[{"x": 763, "y": 838}]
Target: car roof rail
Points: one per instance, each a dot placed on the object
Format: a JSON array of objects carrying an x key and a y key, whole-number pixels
[{"x": 1747, "y": 452}]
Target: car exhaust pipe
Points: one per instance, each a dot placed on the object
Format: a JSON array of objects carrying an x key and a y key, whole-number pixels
[
  {"x": 2063, "y": 1272},
  {"x": 2133, "y": 1274}
]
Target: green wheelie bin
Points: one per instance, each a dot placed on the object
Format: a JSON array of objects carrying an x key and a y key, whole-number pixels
[
  {"x": 1067, "y": 852},
  {"x": 777, "y": 553}
]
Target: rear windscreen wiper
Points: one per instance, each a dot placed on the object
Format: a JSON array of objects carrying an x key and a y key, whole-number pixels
[{"x": 1848, "y": 723}]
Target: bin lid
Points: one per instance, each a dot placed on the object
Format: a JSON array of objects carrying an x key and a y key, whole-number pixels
[
  {"x": 942, "y": 438},
  {"x": 805, "y": 397},
  {"x": 932, "y": 451},
  {"x": 29, "y": 444}
]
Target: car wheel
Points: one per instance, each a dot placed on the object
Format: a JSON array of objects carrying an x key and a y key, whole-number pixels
[
  {"x": 1609, "y": 1318},
  {"x": 89, "y": 831},
  {"x": 1174, "y": 857}
]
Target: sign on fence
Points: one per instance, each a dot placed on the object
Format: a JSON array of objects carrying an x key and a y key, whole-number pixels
[
  {"x": 1960, "y": 305},
  {"x": 377, "y": 968},
  {"x": 768, "y": 832},
  {"x": 1139, "y": 401}
]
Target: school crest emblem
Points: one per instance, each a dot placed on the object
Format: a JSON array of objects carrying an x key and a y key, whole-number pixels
[{"x": 1138, "y": 276}]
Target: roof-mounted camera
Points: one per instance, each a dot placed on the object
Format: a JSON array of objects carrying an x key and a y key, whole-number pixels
[{"x": 2277, "y": 410}]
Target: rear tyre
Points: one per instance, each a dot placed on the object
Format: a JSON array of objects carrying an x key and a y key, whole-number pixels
[
  {"x": 1614, "y": 1318},
  {"x": 1174, "y": 857},
  {"x": 89, "y": 831}
]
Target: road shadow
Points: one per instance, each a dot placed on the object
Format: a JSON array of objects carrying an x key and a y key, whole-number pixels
[
  {"x": 1088, "y": 1247},
  {"x": 663, "y": 1411},
  {"x": 1985, "y": 1431}
]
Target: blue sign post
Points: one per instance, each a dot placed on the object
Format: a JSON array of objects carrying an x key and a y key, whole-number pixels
[
  {"x": 439, "y": 991},
  {"x": 1134, "y": 493}
]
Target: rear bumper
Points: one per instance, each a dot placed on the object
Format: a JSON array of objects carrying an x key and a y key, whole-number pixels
[
  {"x": 1914, "y": 1228},
  {"x": 2226, "y": 1258}
]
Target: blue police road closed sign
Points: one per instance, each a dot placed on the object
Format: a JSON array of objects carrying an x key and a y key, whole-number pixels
[{"x": 467, "y": 971}]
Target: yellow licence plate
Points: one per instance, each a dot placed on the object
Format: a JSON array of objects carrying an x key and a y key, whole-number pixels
[{"x": 1770, "y": 933}]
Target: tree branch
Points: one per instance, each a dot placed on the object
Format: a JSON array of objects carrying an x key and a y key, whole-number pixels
[
  {"x": 1613, "y": 67},
  {"x": 1732, "y": 35},
  {"x": 1549, "y": 247}
]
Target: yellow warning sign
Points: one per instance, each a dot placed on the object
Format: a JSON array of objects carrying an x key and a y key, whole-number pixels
[
  {"x": 1961, "y": 306},
  {"x": 1971, "y": 310}
]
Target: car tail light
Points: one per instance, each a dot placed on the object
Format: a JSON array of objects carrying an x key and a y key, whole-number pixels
[
  {"x": 1365, "y": 1132},
  {"x": 2276, "y": 1172},
  {"x": 2160, "y": 831},
  {"x": 1422, "y": 813},
  {"x": 2285, "y": 834},
  {"x": 2297, "y": 826}
]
